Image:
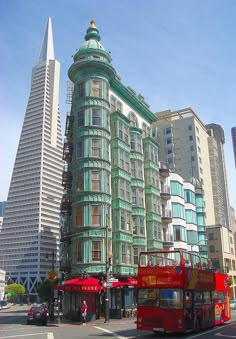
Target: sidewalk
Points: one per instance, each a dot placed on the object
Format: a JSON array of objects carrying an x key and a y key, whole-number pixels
[{"x": 61, "y": 321}]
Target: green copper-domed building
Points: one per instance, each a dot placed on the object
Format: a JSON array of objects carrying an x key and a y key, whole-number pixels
[{"x": 111, "y": 208}]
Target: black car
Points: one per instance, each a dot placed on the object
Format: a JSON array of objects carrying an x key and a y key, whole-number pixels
[
  {"x": 37, "y": 315},
  {"x": 3, "y": 305}
]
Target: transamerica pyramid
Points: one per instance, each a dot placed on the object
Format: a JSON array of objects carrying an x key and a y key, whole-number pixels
[{"x": 30, "y": 231}]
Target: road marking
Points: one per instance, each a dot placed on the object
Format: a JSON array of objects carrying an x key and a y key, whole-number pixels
[
  {"x": 213, "y": 330},
  {"x": 110, "y": 332},
  {"x": 49, "y": 335},
  {"x": 225, "y": 336},
  {"x": 14, "y": 329}
]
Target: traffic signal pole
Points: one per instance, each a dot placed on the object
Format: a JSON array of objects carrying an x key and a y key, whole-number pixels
[
  {"x": 107, "y": 277},
  {"x": 52, "y": 279}
]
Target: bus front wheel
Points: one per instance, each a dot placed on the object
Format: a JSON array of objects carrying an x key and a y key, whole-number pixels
[{"x": 159, "y": 333}]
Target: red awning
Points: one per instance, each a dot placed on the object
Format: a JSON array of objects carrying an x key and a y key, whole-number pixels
[
  {"x": 128, "y": 282},
  {"x": 90, "y": 284},
  {"x": 116, "y": 284},
  {"x": 132, "y": 281}
]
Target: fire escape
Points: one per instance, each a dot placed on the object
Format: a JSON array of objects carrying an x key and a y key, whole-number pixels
[{"x": 65, "y": 234}]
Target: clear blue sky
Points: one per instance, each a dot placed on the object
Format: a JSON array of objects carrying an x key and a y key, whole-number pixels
[{"x": 177, "y": 53}]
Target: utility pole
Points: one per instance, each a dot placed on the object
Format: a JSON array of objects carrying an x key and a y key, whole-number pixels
[
  {"x": 52, "y": 278},
  {"x": 107, "y": 272}
]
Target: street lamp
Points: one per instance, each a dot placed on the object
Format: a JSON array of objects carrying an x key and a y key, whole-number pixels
[
  {"x": 52, "y": 275},
  {"x": 197, "y": 243}
]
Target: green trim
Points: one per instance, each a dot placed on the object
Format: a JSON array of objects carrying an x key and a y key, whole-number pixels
[
  {"x": 135, "y": 130},
  {"x": 150, "y": 140},
  {"x": 133, "y": 101},
  {"x": 82, "y": 70},
  {"x": 119, "y": 116},
  {"x": 91, "y": 51}
]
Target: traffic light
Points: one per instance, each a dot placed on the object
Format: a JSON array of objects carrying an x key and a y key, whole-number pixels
[
  {"x": 101, "y": 278},
  {"x": 63, "y": 278},
  {"x": 109, "y": 261},
  {"x": 52, "y": 276}
]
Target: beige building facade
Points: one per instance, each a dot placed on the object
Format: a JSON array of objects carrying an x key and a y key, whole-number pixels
[
  {"x": 183, "y": 142},
  {"x": 216, "y": 142},
  {"x": 221, "y": 251}
]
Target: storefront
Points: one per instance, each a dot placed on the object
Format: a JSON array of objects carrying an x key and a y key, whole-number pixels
[{"x": 122, "y": 297}]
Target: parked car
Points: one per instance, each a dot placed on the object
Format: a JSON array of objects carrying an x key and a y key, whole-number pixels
[
  {"x": 233, "y": 304},
  {"x": 37, "y": 315},
  {"x": 4, "y": 305}
]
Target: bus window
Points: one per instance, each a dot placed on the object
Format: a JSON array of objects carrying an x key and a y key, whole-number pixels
[
  {"x": 143, "y": 260},
  {"x": 204, "y": 261},
  {"x": 148, "y": 297},
  {"x": 187, "y": 259},
  {"x": 171, "y": 298},
  {"x": 188, "y": 299},
  {"x": 198, "y": 300},
  {"x": 207, "y": 297},
  {"x": 219, "y": 296},
  {"x": 177, "y": 258},
  {"x": 150, "y": 263},
  {"x": 196, "y": 261}
]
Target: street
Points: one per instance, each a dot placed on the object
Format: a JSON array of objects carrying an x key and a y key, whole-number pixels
[{"x": 13, "y": 325}]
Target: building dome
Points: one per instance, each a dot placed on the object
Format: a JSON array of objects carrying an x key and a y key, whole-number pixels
[
  {"x": 92, "y": 39},
  {"x": 92, "y": 43},
  {"x": 91, "y": 57}
]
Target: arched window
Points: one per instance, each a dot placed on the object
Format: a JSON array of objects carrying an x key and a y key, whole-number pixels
[
  {"x": 133, "y": 119},
  {"x": 146, "y": 130}
]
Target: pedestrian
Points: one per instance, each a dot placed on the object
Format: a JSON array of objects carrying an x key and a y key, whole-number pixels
[{"x": 84, "y": 311}]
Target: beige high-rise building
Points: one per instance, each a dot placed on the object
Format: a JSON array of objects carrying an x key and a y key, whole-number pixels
[
  {"x": 221, "y": 251},
  {"x": 183, "y": 142}
]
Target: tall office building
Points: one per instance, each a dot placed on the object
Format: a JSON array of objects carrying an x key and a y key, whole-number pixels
[
  {"x": 233, "y": 133},
  {"x": 2, "y": 211},
  {"x": 30, "y": 231},
  {"x": 183, "y": 141},
  {"x": 216, "y": 142}
]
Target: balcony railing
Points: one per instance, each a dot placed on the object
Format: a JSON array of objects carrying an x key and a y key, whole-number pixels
[
  {"x": 165, "y": 192},
  {"x": 166, "y": 213},
  {"x": 165, "y": 189},
  {"x": 168, "y": 238},
  {"x": 164, "y": 169}
]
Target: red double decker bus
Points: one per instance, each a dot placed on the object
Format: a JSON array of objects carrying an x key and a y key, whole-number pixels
[{"x": 179, "y": 291}]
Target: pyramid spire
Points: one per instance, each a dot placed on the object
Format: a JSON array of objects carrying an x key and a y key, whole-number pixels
[{"x": 47, "y": 47}]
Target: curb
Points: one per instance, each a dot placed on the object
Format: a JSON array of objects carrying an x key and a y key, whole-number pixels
[{"x": 98, "y": 322}]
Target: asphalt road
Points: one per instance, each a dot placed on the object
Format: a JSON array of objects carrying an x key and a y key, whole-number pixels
[{"x": 13, "y": 325}]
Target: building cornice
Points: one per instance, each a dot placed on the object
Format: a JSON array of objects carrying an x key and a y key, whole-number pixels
[{"x": 137, "y": 104}]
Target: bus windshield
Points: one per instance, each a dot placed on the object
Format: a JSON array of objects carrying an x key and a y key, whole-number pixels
[{"x": 166, "y": 298}]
